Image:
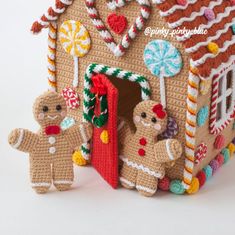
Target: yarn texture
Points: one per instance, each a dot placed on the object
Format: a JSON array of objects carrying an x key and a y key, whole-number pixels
[
  {"x": 202, "y": 115},
  {"x": 51, "y": 148},
  {"x": 176, "y": 187}
]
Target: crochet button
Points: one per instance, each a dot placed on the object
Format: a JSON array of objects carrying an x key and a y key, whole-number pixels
[
  {"x": 52, "y": 150},
  {"x": 51, "y": 140},
  {"x": 143, "y": 141},
  {"x": 141, "y": 152}
]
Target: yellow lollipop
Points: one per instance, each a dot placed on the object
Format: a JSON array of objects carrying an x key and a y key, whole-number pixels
[{"x": 76, "y": 41}]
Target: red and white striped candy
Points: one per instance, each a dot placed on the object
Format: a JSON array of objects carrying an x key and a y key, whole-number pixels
[
  {"x": 71, "y": 98},
  {"x": 200, "y": 153}
]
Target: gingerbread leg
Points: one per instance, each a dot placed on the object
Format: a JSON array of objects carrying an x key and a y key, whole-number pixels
[
  {"x": 40, "y": 176},
  {"x": 146, "y": 184},
  {"x": 128, "y": 176},
  {"x": 63, "y": 174}
]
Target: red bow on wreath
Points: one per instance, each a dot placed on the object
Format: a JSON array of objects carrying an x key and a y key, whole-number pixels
[
  {"x": 98, "y": 87},
  {"x": 160, "y": 112}
]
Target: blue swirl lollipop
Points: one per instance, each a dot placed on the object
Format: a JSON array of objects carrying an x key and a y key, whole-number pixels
[{"x": 163, "y": 60}]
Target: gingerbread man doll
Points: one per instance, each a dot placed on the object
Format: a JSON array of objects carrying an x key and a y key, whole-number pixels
[
  {"x": 51, "y": 148},
  {"x": 145, "y": 159}
]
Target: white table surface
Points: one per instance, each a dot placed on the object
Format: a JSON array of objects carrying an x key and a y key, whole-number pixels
[{"x": 91, "y": 207}]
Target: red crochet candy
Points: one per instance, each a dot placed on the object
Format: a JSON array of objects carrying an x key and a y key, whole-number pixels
[
  {"x": 71, "y": 98},
  {"x": 164, "y": 184},
  {"x": 220, "y": 159},
  {"x": 200, "y": 153},
  {"x": 219, "y": 142},
  {"x": 117, "y": 23},
  {"x": 202, "y": 178}
]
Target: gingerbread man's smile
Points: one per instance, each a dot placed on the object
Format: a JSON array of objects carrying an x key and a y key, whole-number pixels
[
  {"x": 146, "y": 124},
  {"x": 52, "y": 117}
]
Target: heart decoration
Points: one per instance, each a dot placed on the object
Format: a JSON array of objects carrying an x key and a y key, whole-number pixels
[
  {"x": 71, "y": 98},
  {"x": 117, "y": 23},
  {"x": 120, "y": 48}
]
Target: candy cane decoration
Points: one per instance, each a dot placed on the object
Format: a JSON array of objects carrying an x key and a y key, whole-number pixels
[
  {"x": 51, "y": 15},
  {"x": 120, "y": 48},
  {"x": 51, "y": 67},
  {"x": 114, "y": 4}
]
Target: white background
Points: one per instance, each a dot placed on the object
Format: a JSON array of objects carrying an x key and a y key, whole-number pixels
[{"x": 92, "y": 207}]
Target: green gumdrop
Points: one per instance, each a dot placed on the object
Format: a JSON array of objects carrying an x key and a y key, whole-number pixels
[
  {"x": 226, "y": 154},
  {"x": 208, "y": 171},
  {"x": 176, "y": 187}
]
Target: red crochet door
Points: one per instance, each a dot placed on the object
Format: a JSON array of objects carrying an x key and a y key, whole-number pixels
[{"x": 104, "y": 155}]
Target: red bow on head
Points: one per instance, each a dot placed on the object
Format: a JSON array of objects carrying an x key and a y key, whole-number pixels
[
  {"x": 160, "y": 112},
  {"x": 52, "y": 130}
]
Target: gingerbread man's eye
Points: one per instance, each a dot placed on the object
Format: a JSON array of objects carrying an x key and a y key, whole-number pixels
[
  {"x": 58, "y": 107},
  {"x": 154, "y": 120},
  {"x": 45, "y": 109},
  {"x": 143, "y": 115}
]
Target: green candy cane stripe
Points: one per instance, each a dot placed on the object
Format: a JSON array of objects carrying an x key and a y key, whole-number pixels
[
  {"x": 85, "y": 149},
  {"x": 114, "y": 72}
]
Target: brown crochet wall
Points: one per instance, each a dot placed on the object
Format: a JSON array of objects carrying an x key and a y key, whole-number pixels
[
  {"x": 203, "y": 135},
  {"x": 132, "y": 61}
]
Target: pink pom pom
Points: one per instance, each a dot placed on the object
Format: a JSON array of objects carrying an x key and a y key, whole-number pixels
[
  {"x": 219, "y": 142},
  {"x": 214, "y": 165},
  {"x": 220, "y": 159},
  {"x": 164, "y": 184},
  {"x": 209, "y": 14},
  {"x": 232, "y": 2},
  {"x": 182, "y": 2},
  {"x": 202, "y": 178}
]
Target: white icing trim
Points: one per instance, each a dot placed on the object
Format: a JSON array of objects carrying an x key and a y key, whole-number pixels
[
  {"x": 129, "y": 183},
  {"x": 83, "y": 134},
  {"x": 42, "y": 184},
  {"x": 218, "y": 70},
  {"x": 148, "y": 190},
  {"x": 168, "y": 149},
  {"x": 210, "y": 39},
  {"x": 219, "y": 17},
  {"x": 158, "y": 1},
  {"x": 177, "y": 7},
  {"x": 143, "y": 168},
  {"x": 63, "y": 182},
  {"x": 19, "y": 141},
  {"x": 194, "y": 15},
  {"x": 217, "y": 126},
  {"x": 202, "y": 60}
]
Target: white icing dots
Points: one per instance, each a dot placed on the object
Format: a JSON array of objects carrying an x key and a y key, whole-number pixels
[
  {"x": 52, "y": 140},
  {"x": 52, "y": 150}
]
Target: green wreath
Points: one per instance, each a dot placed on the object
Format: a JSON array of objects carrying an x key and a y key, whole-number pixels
[{"x": 101, "y": 120}]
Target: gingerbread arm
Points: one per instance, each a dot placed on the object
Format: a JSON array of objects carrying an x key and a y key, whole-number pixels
[
  {"x": 167, "y": 151},
  {"x": 23, "y": 140},
  {"x": 78, "y": 134},
  {"x": 124, "y": 131}
]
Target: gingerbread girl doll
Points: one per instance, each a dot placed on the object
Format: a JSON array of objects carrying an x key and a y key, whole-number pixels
[
  {"x": 144, "y": 157},
  {"x": 51, "y": 148}
]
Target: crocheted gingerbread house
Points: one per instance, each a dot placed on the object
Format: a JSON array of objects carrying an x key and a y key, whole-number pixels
[{"x": 142, "y": 45}]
